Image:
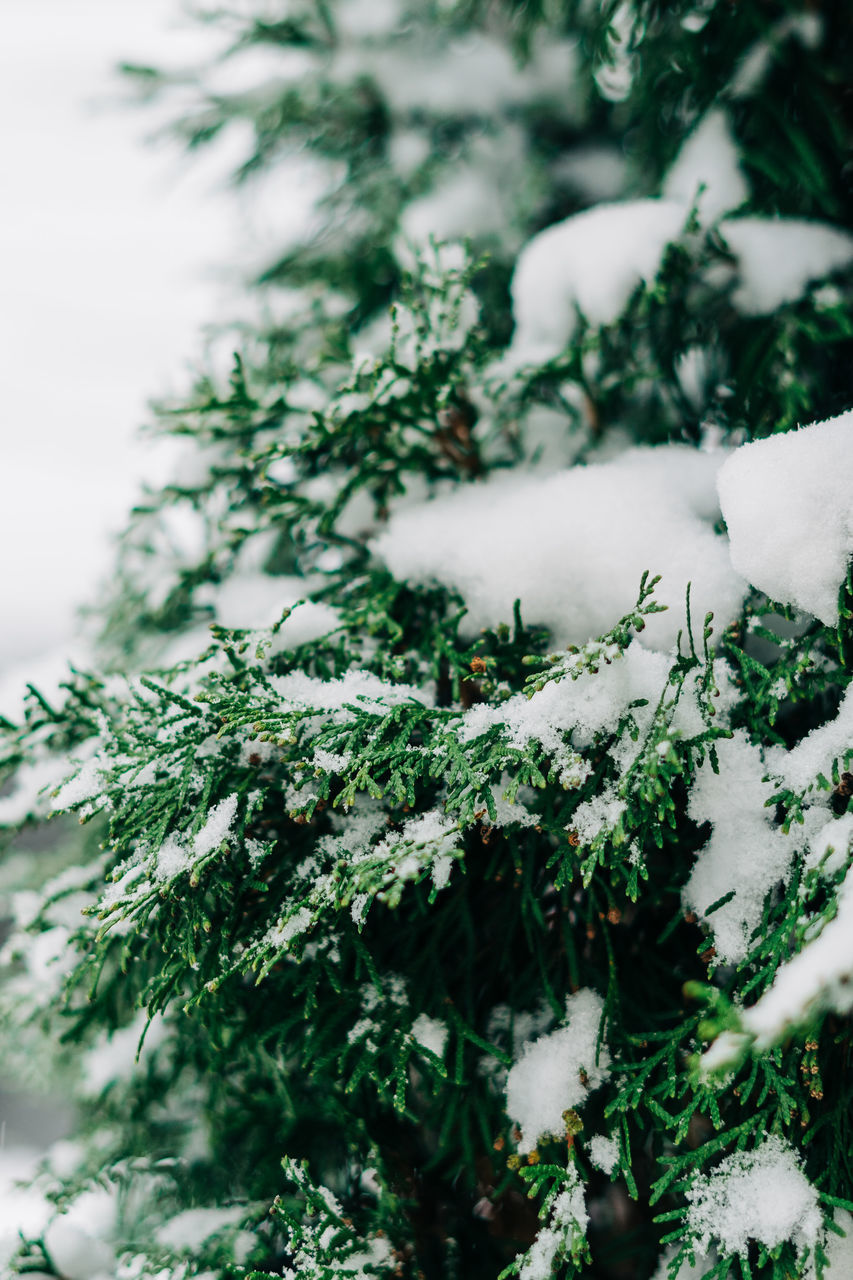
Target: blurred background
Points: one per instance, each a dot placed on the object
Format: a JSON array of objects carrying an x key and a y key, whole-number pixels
[
  {"x": 109, "y": 244},
  {"x": 109, "y": 240}
]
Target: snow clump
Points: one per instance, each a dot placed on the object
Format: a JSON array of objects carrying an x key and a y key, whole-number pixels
[
  {"x": 603, "y": 1152},
  {"x": 777, "y": 258},
  {"x": 818, "y": 977},
  {"x": 591, "y": 263},
  {"x": 573, "y": 546},
  {"x": 788, "y": 505},
  {"x": 760, "y": 1195},
  {"x": 431, "y": 1033},
  {"x": 557, "y": 1071},
  {"x": 746, "y": 853},
  {"x": 708, "y": 160}
]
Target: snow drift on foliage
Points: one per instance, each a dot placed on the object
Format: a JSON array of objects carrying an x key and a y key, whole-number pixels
[
  {"x": 746, "y": 854},
  {"x": 572, "y": 547},
  {"x": 590, "y": 263},
  {"x": 788, "y": 505},
  {"x": 758, "y": 1195},
  {"x": 708, "y": 160},
  {"x": 558, "y": 1071},
  {"x": 778, "y": 257}
]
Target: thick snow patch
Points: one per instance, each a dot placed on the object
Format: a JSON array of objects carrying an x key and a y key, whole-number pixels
[
  {"x": 788, "y": 505},
  {"x": 557, "y": 1071},
  {"x": 778, "y": 257},
  {"x": 573, "y": 546},
  {"x": 592, "y": 263}
]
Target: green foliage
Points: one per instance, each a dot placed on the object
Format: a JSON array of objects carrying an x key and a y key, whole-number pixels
[{"x": 336, "y": 868}]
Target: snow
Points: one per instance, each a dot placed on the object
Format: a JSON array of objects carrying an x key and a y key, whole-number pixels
[
  {"x": 778, "y": 257},
  {"x": 173, "y": 858},
  {"x": 461, "y": 204},
  {"x": 27, "y": 797},
  {"x": 709, "y": 157},
  {"x": 593, "y": 261},
  {"x": 788, "y": 504},
  {"x": 817, "y": 751},
  {"x": 687, "y": 1271},
  {"x": 839, "y": 1250},
  {"x": 283, "y": 934},
  {"x": 77, "y": 1241},
  {"x": 568, "y": 1217},
  {"x": 546, "y": 1080},
  {"x": 217, "y": 827},
  {"x": 592, "y": 703},
  {"x": 819, "y": 977},
  {"x": 729, "y": 1048},
  {"x": 760, "y": 1195},
  {"x": 829, "y": 849},
  {"x": 191, "y": 1228},
  {"x": 430, "y": 840},
  {"x": 360, "y": 19},
  {"x": 431, "y": 1033},
  {"x": 603, "y": 1152},
  {"x": 24, "y": 1208},
  {"x": 250, "y": 601},
  {"x": 596, "y": 172},
  {"x": 86, "y": 784},
  {"x": 475, "y": 76},
  {"x": 746, "y": 852},
  {"x": 573, "y": 546},
  {"x": 78, "y": 1255},
  {"x": 360, "y": 688},
  {"x": 590, "y": 262}
]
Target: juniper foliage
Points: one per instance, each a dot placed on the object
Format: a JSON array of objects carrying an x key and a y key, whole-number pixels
[{"x": 338, "y": 866}]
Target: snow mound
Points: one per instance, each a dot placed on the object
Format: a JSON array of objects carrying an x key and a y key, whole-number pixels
[
  {"x": 708, "y": 158},
  {"x": 788, "y": 505},
  {"x": 746, "y": 853},
  {"x": 573, "y": 546},
  {"x": 758, "y": 1195},
  {"x": 557, "y": 1071},
  {"x": 778, "y": 257},
  {"x": 592, "y": 263}
]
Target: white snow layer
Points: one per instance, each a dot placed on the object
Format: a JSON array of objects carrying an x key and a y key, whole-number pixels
[
  {"x": 357, "y": 688},
  {"x": 190, "y": 1229},
  {"x": 816, "y": 752},
  {"x": 708, "y": 159},
  {"x": 778, "y": 257},
  {"x": 573, "y": 546},
  {"x": 431, "y": 1033},
  {"x": 788, "y": 505},
  {"x": 839, "y": 1250},
  {"x": 745, "y": 852},
  {"x": 603, "y": 1152},
  {"x": 255, "y": 600},
  {"x": 758, "y": 1195},
  {"x": 217, "y": 827},
  {"x": 24, "y": 1207},
  {"x": 592, "y": 263},
  {"x": 819, "y": 977},
  {"x": 557, "y": 1071}
]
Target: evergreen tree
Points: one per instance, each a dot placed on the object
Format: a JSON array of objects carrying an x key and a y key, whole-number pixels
[{"x": 464, "y": 881}]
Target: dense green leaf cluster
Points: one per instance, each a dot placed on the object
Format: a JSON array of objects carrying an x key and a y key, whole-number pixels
[{"x": 338, "y": 867}]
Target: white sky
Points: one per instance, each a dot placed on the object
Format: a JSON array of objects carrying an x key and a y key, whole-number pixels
[{"x": 108, "y": 257}]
